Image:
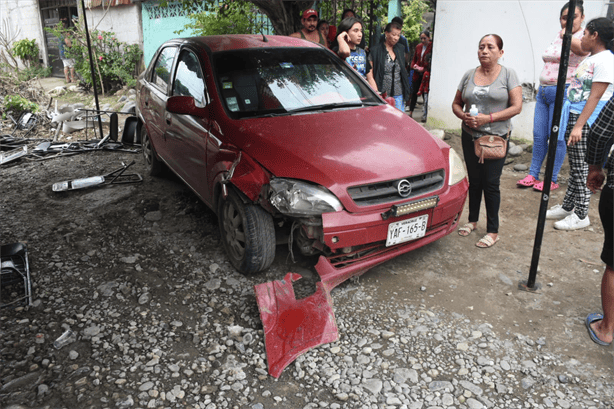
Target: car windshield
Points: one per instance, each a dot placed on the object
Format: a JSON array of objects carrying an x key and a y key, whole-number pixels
[{"x": 280, "y": 81}]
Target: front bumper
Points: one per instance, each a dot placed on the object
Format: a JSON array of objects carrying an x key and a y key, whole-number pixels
[
  {"x": 359, "y": 238},
  {"x": 293, "y": 326}
]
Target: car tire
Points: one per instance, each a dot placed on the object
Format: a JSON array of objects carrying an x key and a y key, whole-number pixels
[
  {"x": 247, "y": 233},
  {"x": 153, "y": 164}
]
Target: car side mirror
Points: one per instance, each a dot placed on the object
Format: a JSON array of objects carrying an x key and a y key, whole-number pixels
[
  {"x": 184, "y": 105},
  {"x": 390, "y": 101}
]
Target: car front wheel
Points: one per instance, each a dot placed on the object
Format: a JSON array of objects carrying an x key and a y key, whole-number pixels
[
  {"x": 154, "y": 165},
  {"x": 248, "y": 235}
]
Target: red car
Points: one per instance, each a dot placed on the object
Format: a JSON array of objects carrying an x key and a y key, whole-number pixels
[{"x": 281, "y": 138}]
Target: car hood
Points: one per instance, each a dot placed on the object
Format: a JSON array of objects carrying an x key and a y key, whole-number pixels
[{"x": 342, "y": 148}]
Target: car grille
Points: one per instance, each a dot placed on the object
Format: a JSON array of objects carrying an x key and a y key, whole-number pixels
[{"x": 387, "y": 192}]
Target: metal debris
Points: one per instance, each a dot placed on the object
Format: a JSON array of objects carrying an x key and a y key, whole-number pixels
[{"x": 116, "y": 177}]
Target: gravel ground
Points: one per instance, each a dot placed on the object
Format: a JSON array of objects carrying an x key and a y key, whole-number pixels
[{"x": 162, "y": 320}]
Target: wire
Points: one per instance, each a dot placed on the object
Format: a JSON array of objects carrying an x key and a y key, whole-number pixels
[{"x": 530, "y": 41}]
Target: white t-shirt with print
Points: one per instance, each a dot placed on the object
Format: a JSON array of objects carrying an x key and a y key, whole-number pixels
[{"x": 595, "y": 68}]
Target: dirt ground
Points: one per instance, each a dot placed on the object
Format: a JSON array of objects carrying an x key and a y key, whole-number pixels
[{"x": 452, "y": 273}]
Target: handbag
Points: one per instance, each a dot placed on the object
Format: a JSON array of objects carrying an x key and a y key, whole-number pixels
[{"x": 490, "y": 147}]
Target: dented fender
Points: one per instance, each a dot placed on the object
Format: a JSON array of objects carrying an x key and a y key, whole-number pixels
[
  {"x": 245, "y": 174},
  {"x": 248, "y": 176}
]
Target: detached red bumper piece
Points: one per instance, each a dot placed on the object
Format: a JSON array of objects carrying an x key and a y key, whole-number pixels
[{"x": 291, "y": 326}]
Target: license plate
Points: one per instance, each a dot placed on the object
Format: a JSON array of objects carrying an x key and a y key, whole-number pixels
[{"x": 406, "y": 230}]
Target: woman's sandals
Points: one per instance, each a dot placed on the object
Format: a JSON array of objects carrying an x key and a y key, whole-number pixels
[{"x": 466, "y": 229}]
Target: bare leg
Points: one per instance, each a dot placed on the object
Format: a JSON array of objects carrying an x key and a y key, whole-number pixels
[
  {"x": 73, "y": 77},
  {"x": 67, "y": 74},
  {"x": 604, "y": 328}
]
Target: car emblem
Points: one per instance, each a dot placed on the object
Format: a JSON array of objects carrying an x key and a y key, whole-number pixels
[{"x": 404, "y": 188}]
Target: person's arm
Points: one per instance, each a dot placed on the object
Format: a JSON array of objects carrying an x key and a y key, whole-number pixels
[
  {"x": 597, "y": 90},
  {"x": 344, "y": 47},
  {"x": 370, "y": 78},
  {"x": 595, "y": 178},
  {"x": 576, "y": 46},
  {"x": 67, "y": 41},
  {"x": 296, "y": 35},
  {"x": 458, "y": 106},
  {"x": 414, "y": 60}
]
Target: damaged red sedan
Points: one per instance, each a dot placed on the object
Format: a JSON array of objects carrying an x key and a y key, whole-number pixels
[{"x": 282, "y": 139}]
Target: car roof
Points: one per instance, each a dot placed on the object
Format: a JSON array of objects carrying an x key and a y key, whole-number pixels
[{"x": 244, "y": 41}]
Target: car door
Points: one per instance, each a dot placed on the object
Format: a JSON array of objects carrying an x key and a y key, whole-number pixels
[
  {"x": 186, "y": 135},
  {"x": 153, "y": 96}
]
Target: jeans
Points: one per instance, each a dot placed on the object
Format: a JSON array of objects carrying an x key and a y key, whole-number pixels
[
  {"x": 483, "y": 178},
  {"x": 542, "y": 124},
  {"x": 398, "y": 102}
]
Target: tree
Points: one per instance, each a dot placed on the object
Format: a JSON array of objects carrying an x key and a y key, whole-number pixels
[
  {"x": 412, "y": 20},
  {"x": 285, "y": 16}
]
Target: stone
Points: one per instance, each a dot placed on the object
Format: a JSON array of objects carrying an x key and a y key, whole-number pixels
[
  {"x": 372, "y": 385},
  {"x": 474, "y": 404},
  {"x": 154, "y": 216},
  {"x": 438, "y": 133},
  {"x": 441, "y": 385},
  {"x": 515, "y": 151},
  {"x": 146, "y": 386},
  {"x": 144, "y": 298}
]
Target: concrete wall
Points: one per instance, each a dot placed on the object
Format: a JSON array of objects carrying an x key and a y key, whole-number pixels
[
  {"x": 124, "y": 21},
  {"x": 526, "y": 26},
  {"x": 22, "y": 17}
]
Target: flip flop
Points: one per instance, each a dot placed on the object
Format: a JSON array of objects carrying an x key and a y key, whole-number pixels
[
  {"x": 466, "y": 229},
  {"x": 528, "y": 181},
  {"x": 486, "y": 242},
  {"x": 594, "y": 317}
]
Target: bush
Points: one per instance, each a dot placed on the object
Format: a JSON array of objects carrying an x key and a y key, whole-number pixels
[
  {"x": 17, "y": 103},
  {"x": 115, "y": 63},
  {"x": 33, "y": 72},
  {"x": 27, "y": 51},
  {"x": 238, "y": 17}
]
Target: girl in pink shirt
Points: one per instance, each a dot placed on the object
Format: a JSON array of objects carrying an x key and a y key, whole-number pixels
[{"x": 544, "y": 107}]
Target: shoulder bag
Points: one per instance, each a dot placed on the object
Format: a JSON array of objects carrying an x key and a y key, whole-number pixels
[{"x": 490, "y": 147}]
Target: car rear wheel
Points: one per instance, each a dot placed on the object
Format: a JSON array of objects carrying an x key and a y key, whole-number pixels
[
  {"x": 248, "y": 235},
  {"x": 154, "y": 165}
]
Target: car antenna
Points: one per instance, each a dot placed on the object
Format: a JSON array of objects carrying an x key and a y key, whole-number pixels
[{"x": 263, "y": 37}]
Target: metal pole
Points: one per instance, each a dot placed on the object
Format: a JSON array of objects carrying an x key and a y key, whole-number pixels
[
  {"x": 530, "y": 284},
  {"x": 89, "y": 49}
]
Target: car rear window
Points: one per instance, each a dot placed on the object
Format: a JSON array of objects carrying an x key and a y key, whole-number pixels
[{"x": 283, "y": 80}]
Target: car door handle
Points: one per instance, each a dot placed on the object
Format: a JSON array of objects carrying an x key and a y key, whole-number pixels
[{"x": 169, "y": 119}]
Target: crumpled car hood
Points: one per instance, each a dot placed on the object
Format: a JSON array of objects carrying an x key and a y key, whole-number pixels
[{"x": 336, "y": 150}]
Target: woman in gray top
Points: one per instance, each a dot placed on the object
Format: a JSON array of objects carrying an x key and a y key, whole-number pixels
[{"x": 496, "y": 92}]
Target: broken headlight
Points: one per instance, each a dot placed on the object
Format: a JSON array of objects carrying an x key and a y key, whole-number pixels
[{"x": 296, "y": 198}]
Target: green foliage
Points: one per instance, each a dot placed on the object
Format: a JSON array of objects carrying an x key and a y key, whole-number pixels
[
  {"x": 27, "y": 51},
  {"x": 34, "y": 72},
  {"x": 377, "y": 12},
  {"x": 412, "y": 20},
  {"x": 116, "y": 63},
  {"x": 17, "y": 103},
  {"x": 236, "y": 17}
]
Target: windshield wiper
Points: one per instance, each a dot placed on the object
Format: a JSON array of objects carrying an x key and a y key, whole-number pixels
[{"x": 334, "y": 105}]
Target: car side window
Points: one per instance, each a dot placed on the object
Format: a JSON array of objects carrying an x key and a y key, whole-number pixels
[
  {"x": 162, "y": 69},
  {"x": 189, "y": 79}
]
